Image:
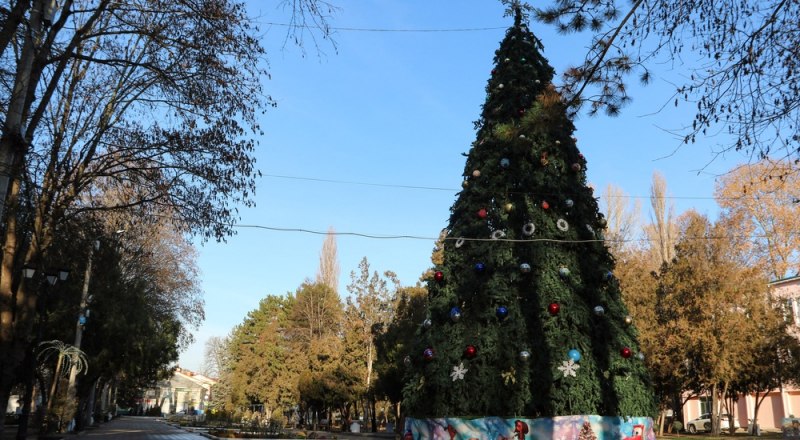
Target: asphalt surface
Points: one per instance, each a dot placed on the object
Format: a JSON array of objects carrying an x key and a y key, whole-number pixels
[{"x": 155, "y": 428}]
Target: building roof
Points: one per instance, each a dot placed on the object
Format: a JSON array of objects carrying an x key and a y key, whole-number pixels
[{"x": 785, "y": 280}]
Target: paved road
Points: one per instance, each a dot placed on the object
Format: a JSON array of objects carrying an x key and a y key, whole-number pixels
[
  {"x": 152, "y": 428},
  {"x": 138, "y": 428}
]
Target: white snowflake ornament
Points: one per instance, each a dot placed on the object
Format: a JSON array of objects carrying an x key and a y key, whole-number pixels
[
  {"x": 569, "y": 368},
  {"x": 458, "y": 372}
]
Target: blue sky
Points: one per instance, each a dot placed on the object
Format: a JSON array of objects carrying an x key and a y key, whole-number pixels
[{"x": 395, "y": 110}]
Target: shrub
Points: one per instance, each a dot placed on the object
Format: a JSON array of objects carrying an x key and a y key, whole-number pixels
[{"x": 677, "y": 426}]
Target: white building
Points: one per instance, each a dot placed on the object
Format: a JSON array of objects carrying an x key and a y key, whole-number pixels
[{"x": 185, "y": 392}]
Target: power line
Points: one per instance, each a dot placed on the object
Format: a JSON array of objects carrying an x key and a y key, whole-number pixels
[
  {"x": 434, "y": 188},
  {"x": 466, "y": 239},
  {"x": 351, "y": 29},
  {"x": 349, "y": 182}
]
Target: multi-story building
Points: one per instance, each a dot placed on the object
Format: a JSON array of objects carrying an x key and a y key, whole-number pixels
[{"x": 780, "y": 403}]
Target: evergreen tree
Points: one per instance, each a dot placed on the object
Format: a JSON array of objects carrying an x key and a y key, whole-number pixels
[{"x": 525, "y": 315}]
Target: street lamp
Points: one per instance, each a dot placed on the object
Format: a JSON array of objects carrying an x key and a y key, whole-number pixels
[{"x": 28, "y": 272}]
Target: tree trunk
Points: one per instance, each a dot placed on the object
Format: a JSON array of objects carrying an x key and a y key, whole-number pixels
[
  {"x": 88, "y": 416},
  {"x": 27, "y": 398},
  {"x": 715, "y": 410},
  {"x": 373, "y": 416}
]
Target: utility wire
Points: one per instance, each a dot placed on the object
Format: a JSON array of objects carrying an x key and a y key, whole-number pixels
[
  {"x": 466, "y": 239},
  {"x": 434, "y": 188},
  {"x": 350, "y": 29}
]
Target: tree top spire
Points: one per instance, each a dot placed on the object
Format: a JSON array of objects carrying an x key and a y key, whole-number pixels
[{"x": 519, "y": 9}]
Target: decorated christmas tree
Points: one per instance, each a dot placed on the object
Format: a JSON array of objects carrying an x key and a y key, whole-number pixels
[{"x": 526, "y": 322}]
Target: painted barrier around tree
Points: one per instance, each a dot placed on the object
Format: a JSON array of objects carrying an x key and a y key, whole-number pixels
[{"x": 552, "y": 428}]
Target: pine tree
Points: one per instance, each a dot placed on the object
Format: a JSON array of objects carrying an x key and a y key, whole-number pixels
[{"x": 525, "y": 315}]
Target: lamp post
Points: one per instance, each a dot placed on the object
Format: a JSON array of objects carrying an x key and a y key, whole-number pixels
[
  {"x": 84, "y": 312},
  {"x": 73, "y": 371},
  {"x": 51, "y": 278}
]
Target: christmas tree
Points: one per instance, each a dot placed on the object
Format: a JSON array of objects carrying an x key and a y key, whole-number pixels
[{"x": 525, "y": 315}]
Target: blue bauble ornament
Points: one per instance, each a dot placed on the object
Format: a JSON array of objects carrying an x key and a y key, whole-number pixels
[
  {"x": 455, "y": 314},
  {"x": 428, "y": 354},
  {"x": 575, "y": 355},
  {"x": 569, "y": 203},
  {"x": 480, "y": 267},
  {"x": 501, "y": 312},
  {"x": 608, "y": 275},
  {"x": 505, "y": 163}
]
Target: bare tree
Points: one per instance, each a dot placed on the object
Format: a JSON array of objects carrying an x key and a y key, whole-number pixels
[
  {"x": 743, "y": 70},
  {"x": 328, "y": 272},
  {"x": 622, "y": 219},
  {"x": 662, "y": 232},
  {"x": 215, "y": 356}
]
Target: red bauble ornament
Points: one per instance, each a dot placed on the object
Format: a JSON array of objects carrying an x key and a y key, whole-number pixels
[
  {"x": 470, "y": 352},
  {"x": 626, "y": 352},
  {"x": 545, "y": 205},
  {"x": 482, "y": 213},
  {"x": 553, "y": 308},
  {"x": 438, "y": 276},
  {"x": 576, "y": 167},
  {"x": 521, "y": 111}
]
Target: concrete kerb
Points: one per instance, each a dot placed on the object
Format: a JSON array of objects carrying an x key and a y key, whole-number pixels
[{"x": 318, "y": 435}]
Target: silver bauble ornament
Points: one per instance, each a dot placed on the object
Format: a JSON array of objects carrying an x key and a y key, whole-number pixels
[
  {"x": 599, "y": 311},
  {"x": 524, "y": 355},
  {"x": 525, "y": 268}
]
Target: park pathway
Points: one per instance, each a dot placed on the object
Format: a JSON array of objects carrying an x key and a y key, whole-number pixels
[
  {"x": 137, "y": 428},
  {"x": 155, "y": 428}
]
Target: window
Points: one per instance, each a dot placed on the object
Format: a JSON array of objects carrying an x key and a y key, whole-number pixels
[
  {"x": 789, "y": 314},
  {"x": 705, "y": 404}
]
